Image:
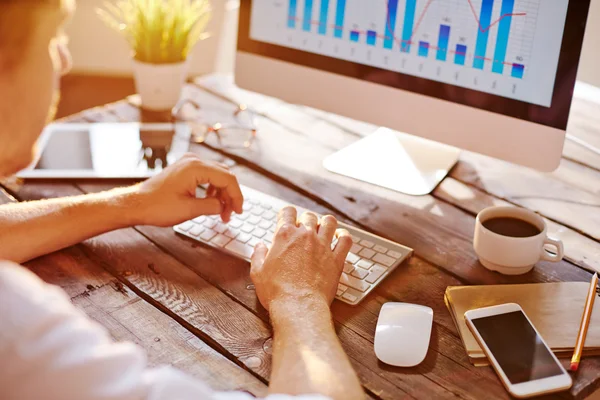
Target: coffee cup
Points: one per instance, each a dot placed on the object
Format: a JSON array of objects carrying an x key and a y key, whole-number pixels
[{"x": 512, "y": 240}]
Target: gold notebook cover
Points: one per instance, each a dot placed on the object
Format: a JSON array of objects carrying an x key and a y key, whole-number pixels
[{"x": 555, "y": 310}]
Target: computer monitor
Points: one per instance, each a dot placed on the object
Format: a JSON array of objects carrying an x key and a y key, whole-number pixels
[{"x": 490, "y": 76}]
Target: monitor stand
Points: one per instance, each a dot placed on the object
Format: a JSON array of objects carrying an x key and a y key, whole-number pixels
[{"x": 395, "y": 160}]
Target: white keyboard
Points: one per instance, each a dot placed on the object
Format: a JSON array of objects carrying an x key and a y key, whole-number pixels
[{"x": 370, "y": 260}]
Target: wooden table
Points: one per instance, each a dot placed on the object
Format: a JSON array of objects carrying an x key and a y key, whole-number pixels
[{"x": 195, "y": 308}]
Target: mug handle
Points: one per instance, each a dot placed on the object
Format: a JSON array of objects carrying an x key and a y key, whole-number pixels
[{"x": 546, "y": 256}]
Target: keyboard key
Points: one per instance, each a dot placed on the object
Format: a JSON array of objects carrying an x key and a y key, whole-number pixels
[
  {"x": 240, "y": 249},
  {"x": 210, "y": 223},
  {"x": 253, "y": 201},
  {"x": 244, "y": 216},
  {"x": 253, "y": 242},
  {"x": 200, "y": 219},
  {"x": 380, "y": 249},
  {"x": 342, "y": 287},
  {"x": 355, "y": 249},
  {"x": 247, "y": 228},
  {"x": 243, "y": 237},
  {"x": 264, "y": 224},
  {"x": 235, "y": 223},
  {"x": 266, "y": 206},
  {"x": 247, "y": 206},
  {"x": 366, "y": 253},
  {"x": 220, "y": 228},
  {"x": 196, "y": 230},
  {"x": 394, "y": 254},
  {"x": 367, "y": 244},
  {"x": 269, "y": 236},
  {"x": 351, "y": 298},
  {"x": 351, "y": 281},
  {"x": 208, "y": 234},
  {"x": 257, "y": 211},
  {"x": 186, "y": 226},
  {"x": 383, "y": 259},
  {"x": 231, "y": 233},
  {"x": 360, "y": 273},
  {"x": 352, "y": 258},
  {"x": 348, "y": 268},
  {"x": 375, "y": 273},
  {"x": 364, "y": 264},
  {"x": 220, "y": 240},
  {"x": 259, "y": 233},
  {"x": 273, "y": 228},
  {"x": 355, "y": 239},
  {"x": 339, "y": 293},
  {"x": 269, "y": 215},
  {"x": 354, "y": 293},
  {"x": 254, "y": 220}
]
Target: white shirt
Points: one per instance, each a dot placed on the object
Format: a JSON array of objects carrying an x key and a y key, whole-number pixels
[{"x": 49, "y": 350}]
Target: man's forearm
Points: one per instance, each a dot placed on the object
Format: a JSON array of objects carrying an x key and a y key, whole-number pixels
[
  {"x": 307, "y": 355},
  {"x": 32, "y": 229}
]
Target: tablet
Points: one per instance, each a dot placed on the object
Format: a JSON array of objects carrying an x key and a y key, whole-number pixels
[{"x": 108, "y": 150}]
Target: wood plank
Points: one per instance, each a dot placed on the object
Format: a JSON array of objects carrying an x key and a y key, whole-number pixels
[
  {"x": 129, "y": 318},
  {"x": 180, "y": 293},
  {"x": 579, "y": 249},
  {"x": 438, "y": 232}
]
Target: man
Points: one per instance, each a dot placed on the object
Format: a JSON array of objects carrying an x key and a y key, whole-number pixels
[{"x": 48, "y": 349}]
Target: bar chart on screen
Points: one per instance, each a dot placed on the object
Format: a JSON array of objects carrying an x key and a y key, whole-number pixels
[{"x": 486, "y": 45}]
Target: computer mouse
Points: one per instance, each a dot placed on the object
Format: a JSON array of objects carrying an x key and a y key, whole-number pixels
[{"x": 403, "y": 333}]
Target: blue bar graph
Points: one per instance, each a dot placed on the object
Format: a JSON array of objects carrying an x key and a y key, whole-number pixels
[
  {"x": 354, "y": 36},
  {"x": 485, "y": 19},
  {"x": 292, "y": 14},
  {"x": 460, "y": 54},
  {"x": 371, "y": 38},
  {"x": 423, "y": 49},
  {"x": 443, "y": 42},
  {"x": 323, "y": 17},
  {"x": 307, "y": 15},
  {"x": 503, "y": 33},
  {"x": 390, "y": 24},
  {"x": 409, "y": 20},
  {"x": 340, "y": 10},
  {"x": 517, "y": 71}
]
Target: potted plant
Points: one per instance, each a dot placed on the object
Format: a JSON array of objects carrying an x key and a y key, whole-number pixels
[{"x": 162, "y": 34}]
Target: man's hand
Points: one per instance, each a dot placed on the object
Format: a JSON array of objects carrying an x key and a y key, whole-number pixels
[
  {"x": 301, "y": 263},
  {"x": 169, "y": 198}
]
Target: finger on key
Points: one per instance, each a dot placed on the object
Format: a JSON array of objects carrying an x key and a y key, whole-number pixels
[
  {"x": 287, "y": 216},
  {"x": 342, "y": 246},
  {"x": 310, "y": 221},
  {"x": 327, "y": 227}
]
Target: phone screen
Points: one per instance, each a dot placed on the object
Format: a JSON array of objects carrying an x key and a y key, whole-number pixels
[{"x": 517, "y": 347}]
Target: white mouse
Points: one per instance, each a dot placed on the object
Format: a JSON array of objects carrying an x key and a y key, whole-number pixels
[{"x": 403, "y": 333}]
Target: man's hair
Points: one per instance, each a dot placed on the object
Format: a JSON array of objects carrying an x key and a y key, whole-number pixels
[{"x": 18, "y": 19}]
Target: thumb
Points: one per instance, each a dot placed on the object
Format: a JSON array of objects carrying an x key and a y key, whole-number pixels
[
  {"x": 258, "y": 257},
  {"x": 206, "y": 206}
]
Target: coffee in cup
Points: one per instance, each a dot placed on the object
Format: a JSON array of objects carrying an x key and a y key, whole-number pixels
[{"x": 512, "y": 240}]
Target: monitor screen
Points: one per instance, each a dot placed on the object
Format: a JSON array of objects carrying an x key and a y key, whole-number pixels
[{"x": 514, "y": 57}]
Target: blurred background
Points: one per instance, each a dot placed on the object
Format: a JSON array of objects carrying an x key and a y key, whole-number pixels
[{"x": 102, "y": 70}]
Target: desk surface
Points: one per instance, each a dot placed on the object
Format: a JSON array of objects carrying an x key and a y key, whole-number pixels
[{"x": 195, "y": 308}]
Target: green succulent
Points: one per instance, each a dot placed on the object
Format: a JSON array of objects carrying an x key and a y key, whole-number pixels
[{"x": 158, "y": 31}]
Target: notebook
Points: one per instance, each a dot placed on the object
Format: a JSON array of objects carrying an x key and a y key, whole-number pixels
[{"x": 555, "y": 310}]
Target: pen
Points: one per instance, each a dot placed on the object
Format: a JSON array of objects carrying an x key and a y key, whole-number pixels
[{"x": 585, "y": 323}]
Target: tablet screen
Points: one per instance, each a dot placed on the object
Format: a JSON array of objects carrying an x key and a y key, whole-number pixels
[{"x": 113, "y": 150}]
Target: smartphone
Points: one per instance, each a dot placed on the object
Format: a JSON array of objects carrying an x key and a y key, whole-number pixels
[{"x": 523, "y": 361}]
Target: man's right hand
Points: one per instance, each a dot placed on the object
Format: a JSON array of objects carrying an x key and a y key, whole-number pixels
[{"x": 300, "y": 264}]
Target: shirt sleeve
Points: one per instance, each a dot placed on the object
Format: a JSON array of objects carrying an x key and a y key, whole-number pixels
[{"x": 50, "y": 350}]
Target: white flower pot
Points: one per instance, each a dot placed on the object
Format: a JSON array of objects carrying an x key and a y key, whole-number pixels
[{"x": 159, "y": 85}]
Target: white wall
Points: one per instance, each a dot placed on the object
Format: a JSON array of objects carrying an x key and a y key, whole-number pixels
[{"x": 97, "y": 49}]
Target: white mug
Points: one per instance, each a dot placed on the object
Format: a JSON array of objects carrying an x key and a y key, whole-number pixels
[{"x": 513, "y": 255}]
